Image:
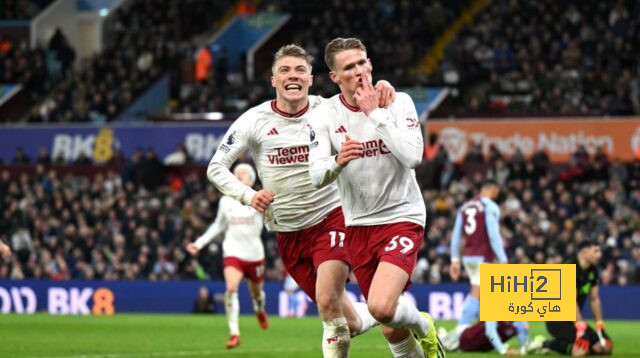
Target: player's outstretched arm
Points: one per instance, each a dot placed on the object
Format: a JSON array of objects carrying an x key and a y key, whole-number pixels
[
  {"x": 235, "y": 142},
  {"x": 491, "y": 331},
  {"x": 492, "y": 218},
  {"x": 522, "y": 328},
  {"x": 596, "y": 305},
  {"x": 323, "y": 166},
  {"x": 399, "y": 129},
  {"x": 219, "y": 225}
]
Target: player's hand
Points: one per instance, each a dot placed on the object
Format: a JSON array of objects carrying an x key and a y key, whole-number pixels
[
  {"x": 192, "y": 249},
  {"x": 580, "y": 348},
  {"x": 262, "y": 199},
  {"x": 512, "y": 352},
  {"x": 5, "y": 250},
  {"x": 581, "y": 327},
  {"x": 366, "y": 96},
  {"x": 350, "y": 150},
  {"x": 454, "y": 270},
  {"x": 387, "y": 93}
]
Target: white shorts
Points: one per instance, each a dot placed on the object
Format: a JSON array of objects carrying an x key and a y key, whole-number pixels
[{"x": 472, "y": 268}]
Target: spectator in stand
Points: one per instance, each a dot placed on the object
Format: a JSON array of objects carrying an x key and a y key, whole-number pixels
[
  {"x": 21, "y": 157},
  {"x": 22, "y": 9},
  {"x": 546, "y": 58}
]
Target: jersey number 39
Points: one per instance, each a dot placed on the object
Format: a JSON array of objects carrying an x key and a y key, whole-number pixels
[{"x": 405, "y": 242}]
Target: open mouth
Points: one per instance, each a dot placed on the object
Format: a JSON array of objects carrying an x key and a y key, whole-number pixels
[{"x": 293, "y": 87}]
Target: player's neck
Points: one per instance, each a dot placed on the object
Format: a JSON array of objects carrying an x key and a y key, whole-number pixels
[
  {"x": 350, "y": 99},
  {"x": 291, "y": 107},
  {"x": 583, "y": 262}
]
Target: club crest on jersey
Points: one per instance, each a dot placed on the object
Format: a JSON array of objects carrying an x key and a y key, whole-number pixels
[
  {"x": 231, "y": 138},
  {"x": 312, "y": 137}
]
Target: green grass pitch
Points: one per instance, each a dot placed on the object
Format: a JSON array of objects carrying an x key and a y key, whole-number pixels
[{"x": 127, "y": 335}]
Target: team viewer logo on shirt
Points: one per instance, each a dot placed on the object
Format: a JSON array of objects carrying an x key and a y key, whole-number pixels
[
  {"x": 527, "y": 292},
  {"x": 293, "y": 155},
  {"x": 374, "y": 148}
]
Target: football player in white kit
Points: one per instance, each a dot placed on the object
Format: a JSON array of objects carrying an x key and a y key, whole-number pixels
[
  {"x": 309, "y": 221},
  {"x": 242, "y": 251},
  {"x": 371, "y": 152}
]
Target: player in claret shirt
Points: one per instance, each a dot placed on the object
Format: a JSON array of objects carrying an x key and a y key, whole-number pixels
[
  {"x": 482, "y": 338},
  {"x": 310, "y": 224},
  {"x": 478, "y": 226},
  {"x": 371, "y": 152}
]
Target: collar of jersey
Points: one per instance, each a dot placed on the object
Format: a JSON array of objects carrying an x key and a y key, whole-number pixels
[
  {"x": 289, "y": 115},
  {"x": 346, "y": 104}
]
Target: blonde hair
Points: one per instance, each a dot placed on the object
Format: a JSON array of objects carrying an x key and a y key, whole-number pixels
[
  {"x": 291, "y": 50},
  {"x": 248, "y": 168},
  {"x": 338, "y": 45}
]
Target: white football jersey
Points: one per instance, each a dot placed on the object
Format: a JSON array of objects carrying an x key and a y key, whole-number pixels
[
  {"x": 279, "y": 143},
  {"x": 242, "y": 226},
  {"x": 380, "y": 187}
]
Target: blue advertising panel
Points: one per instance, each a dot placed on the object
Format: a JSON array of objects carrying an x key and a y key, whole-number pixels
[
  {"x": 443, "y": 301},
  {"x": 98, "y": 142}
]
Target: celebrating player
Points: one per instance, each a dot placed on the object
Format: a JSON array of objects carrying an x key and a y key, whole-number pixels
[
  {"x": 371, "y": 152},
  {"x": 242, "y": 251},
  {"x": 310, "y": 224},
  {"x": 477, "y": 222}
]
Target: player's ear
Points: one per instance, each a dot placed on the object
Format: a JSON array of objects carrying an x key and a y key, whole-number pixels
[
  {"x": 334, "y": 77},
  {"x": 310, "y": 80}
]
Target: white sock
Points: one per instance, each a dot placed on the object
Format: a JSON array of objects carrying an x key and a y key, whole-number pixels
[
  {"x": 461, "y": 327},
  {"x": 258, "y": 304},
  {"x": 232, "y": 307},
  {"x": 408, "y": 316},
  {"x": 335, "y": 338},
  {"x": 366, "y": 318},
  {"x": 408, "y": 348}
]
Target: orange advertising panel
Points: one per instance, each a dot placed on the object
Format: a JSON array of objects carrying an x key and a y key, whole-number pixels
[{"x": 620, "y": 138}]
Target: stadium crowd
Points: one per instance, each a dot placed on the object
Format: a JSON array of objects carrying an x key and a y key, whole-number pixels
[
  {"x": 145, "y": 39},
  {"x": 398, "y": 33},
  {"x": 133, "y": 224},
  {"x": 547, "y": 58},
  {"x": 22, "y": 9},
  {"x": 517, "y": 58}
]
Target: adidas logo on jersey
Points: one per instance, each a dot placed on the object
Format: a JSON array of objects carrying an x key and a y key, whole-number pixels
[
  {"x": 341, "y": 129},
  {"x": 273, "y": 131}
]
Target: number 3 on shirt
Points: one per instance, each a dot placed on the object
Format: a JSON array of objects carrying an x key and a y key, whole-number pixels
[
  {"x": 333, "y": 235},
  {"x": 471, "y": 225},
  {"x": 405, "y": 242}
]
